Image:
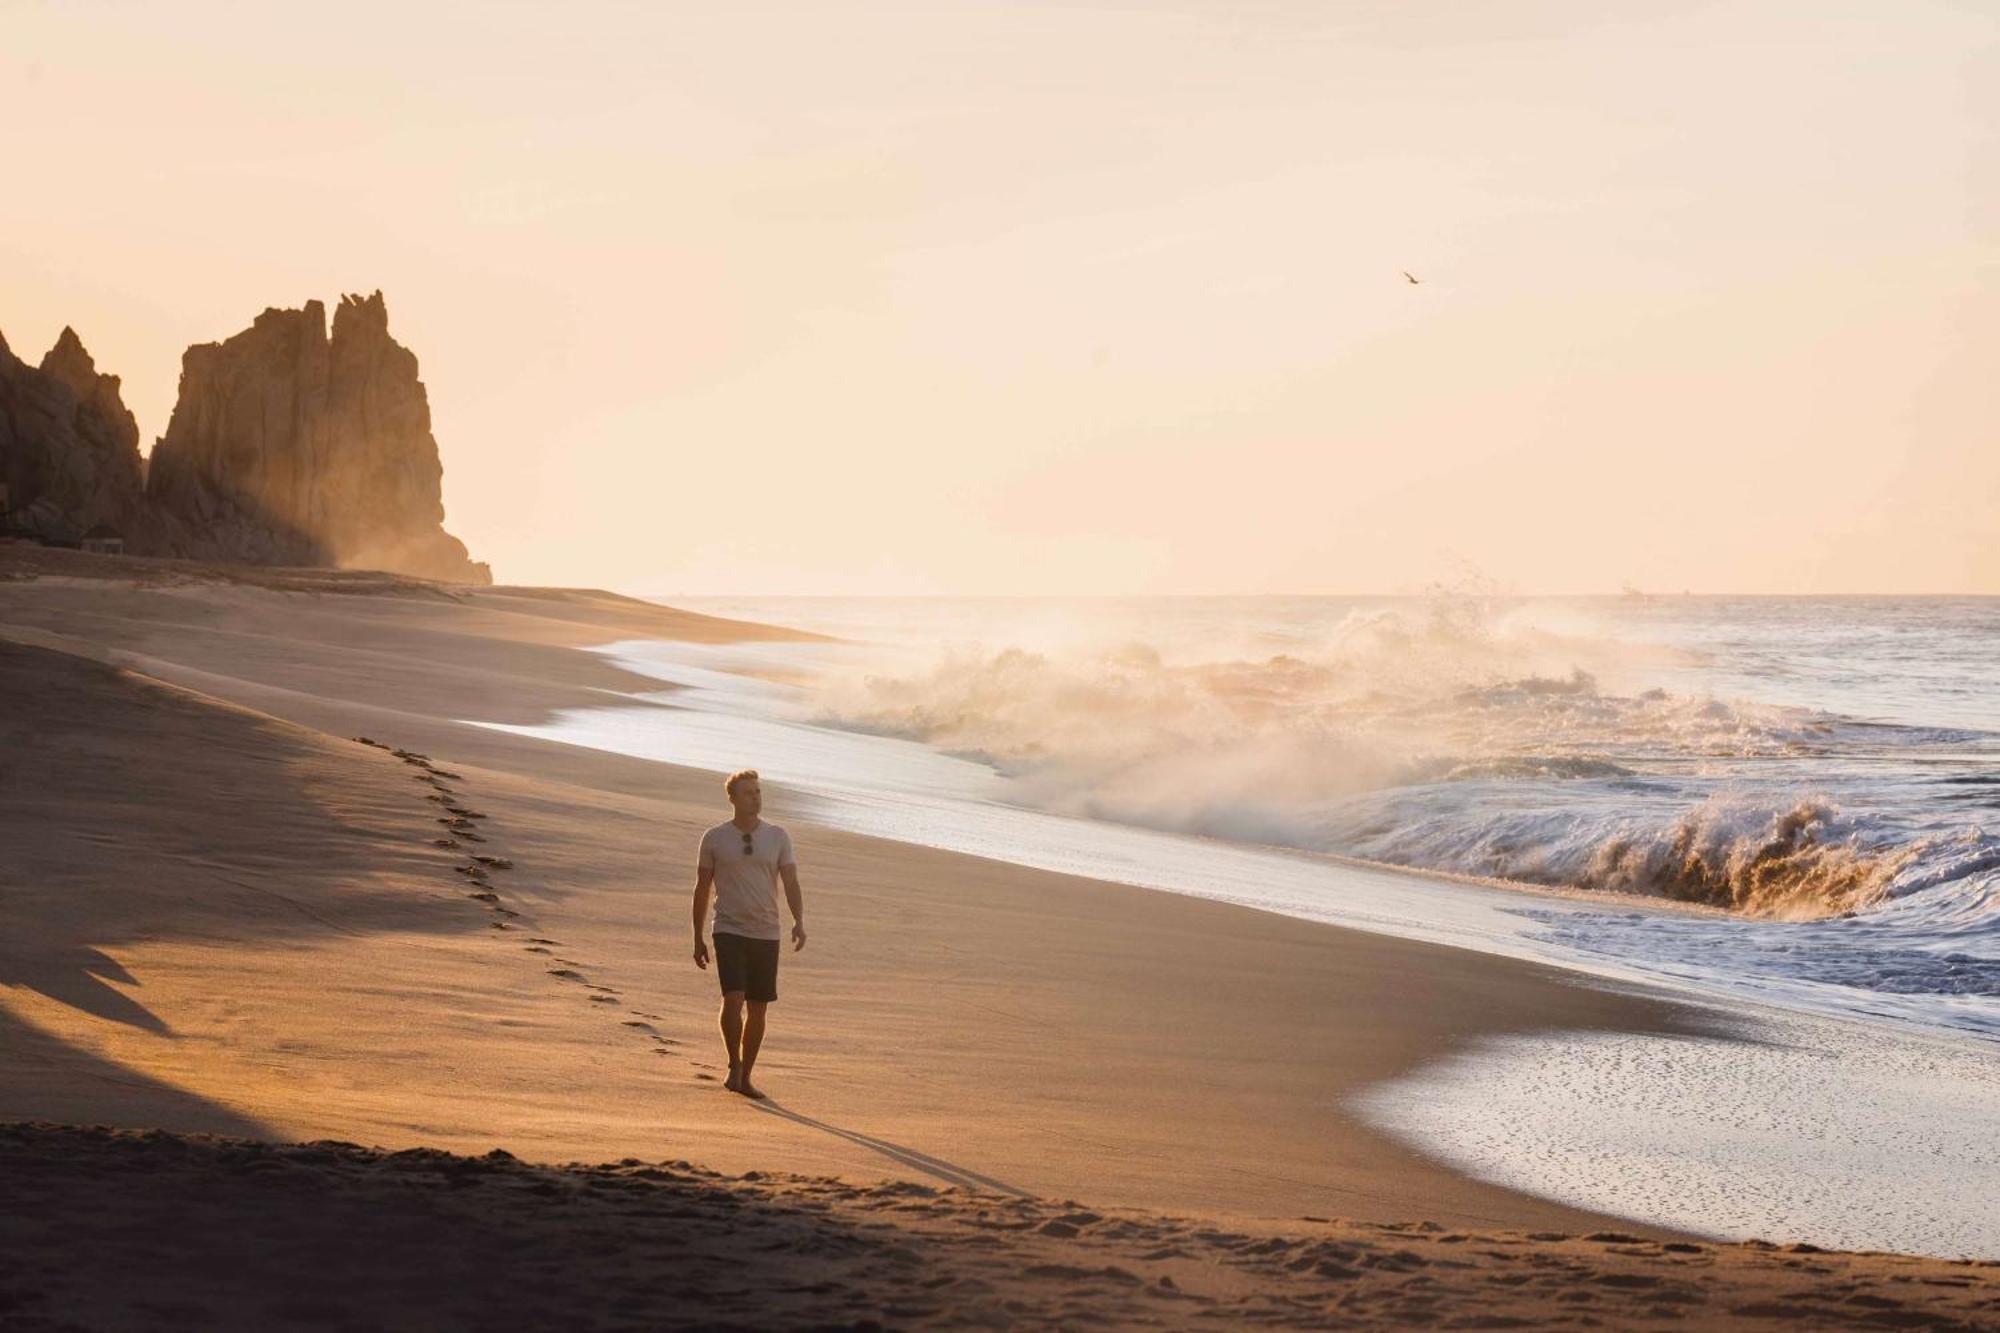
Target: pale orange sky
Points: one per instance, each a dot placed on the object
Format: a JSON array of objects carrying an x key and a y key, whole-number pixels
[{"x": 828, "y": 298}]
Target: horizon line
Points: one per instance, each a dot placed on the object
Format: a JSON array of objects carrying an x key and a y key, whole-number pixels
[{"x": 1414, "y": 595}]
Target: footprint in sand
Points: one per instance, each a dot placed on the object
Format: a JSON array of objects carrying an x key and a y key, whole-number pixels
[
  {"x": 496, "y": 862},
  {"x": 635, "y": 1023},
  {"x": 447, "y": 773},
  {"x": 602, "y": 999},
  {"x": 707, "y": 1078},
  {"x": 536, "y": 948},
  {"x": 565, "y": 973},
  {"x": 641, "y": 1013},
  {"x": 542, "y": 939},
  {"x": 443, "y": 842},
  {"x": 484, "y": 897}
]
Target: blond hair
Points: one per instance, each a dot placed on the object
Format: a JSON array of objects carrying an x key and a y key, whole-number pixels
[{"x": 740, "y": 775}]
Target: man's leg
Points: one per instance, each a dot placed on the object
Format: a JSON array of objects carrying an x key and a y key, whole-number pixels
[
  {"x": 753, "y": 1037},
  {"x": 732, "y": 1033}
]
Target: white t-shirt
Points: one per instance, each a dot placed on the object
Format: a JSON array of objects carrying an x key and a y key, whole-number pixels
[{"x": 747, "y": 885}]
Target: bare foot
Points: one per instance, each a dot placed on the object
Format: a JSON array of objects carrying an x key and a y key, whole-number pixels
[
  {"x": 733, "y": 1079},
  {"x": 744, "y": 1088}
]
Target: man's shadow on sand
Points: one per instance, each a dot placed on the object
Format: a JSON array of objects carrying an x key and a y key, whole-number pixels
[{"x": 949, "y": 1173}]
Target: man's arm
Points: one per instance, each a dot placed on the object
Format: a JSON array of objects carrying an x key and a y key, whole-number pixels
[
  {"x": 704, "y": 880},
  {"x": 790, "y": 874}
]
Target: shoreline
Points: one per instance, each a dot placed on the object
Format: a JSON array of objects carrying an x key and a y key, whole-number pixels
[
  {"x": 1907, "y": 1192},
  {"x": 1381, "y": 897},
  {"x": 928, "y": 1027},
  {"x": 890, "y": 1004}
]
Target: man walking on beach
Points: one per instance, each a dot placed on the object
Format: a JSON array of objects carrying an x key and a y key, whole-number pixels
[{"x": 743, "y": 861}]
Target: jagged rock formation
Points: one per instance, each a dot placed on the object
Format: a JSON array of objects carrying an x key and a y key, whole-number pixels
[
  {"x": 70, "y": 363},
  {"x": 69, "y": 450},
  {"x": 292, "y": 448},
  {"x": 286, "y": 447}
]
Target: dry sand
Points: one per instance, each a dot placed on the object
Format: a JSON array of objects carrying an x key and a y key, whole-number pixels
[{"x": 225, "y": 915}]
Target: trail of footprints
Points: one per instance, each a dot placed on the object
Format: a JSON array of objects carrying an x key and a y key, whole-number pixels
[{"x": 461, "y": 826}]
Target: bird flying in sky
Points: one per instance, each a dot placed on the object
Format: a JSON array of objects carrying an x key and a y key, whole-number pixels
[{"x": 1413, "y": 279}]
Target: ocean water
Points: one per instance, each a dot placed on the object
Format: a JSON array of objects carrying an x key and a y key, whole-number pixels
[
  {"x": 1779, "y": 807},
  {"x": 1829, "y": 764}
]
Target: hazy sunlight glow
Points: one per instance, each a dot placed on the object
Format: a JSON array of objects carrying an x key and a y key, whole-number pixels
[{"x": 1032, "y": 298}]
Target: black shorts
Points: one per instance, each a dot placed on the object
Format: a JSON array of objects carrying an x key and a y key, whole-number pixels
[{"x": 748, "y": 965}]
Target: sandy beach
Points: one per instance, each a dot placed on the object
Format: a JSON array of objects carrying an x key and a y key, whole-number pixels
[
  {"x": 1360, "y": 644},
  {"x": 264, "y": 883}
]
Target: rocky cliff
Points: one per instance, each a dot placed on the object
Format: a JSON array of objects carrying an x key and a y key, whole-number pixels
[
  {"x": 287, "y": 446},
  {"x": 69, "y": 450}
]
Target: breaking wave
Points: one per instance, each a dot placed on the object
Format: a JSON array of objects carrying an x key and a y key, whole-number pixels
[
  {"x": 1444, "y": 737},
  {"x": 1797, "y": 863},
  {"x": 1739, "y": 852}
]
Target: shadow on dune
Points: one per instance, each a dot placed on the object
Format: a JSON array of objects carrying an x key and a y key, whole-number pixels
[
  {"x": 149, "y": 1230},
  {"x": 122, "y": 1230},
  {"x": 133, "y": 813},
  {"x": 52, "y": 1079},
  {"x": 79, "y": 977}
]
